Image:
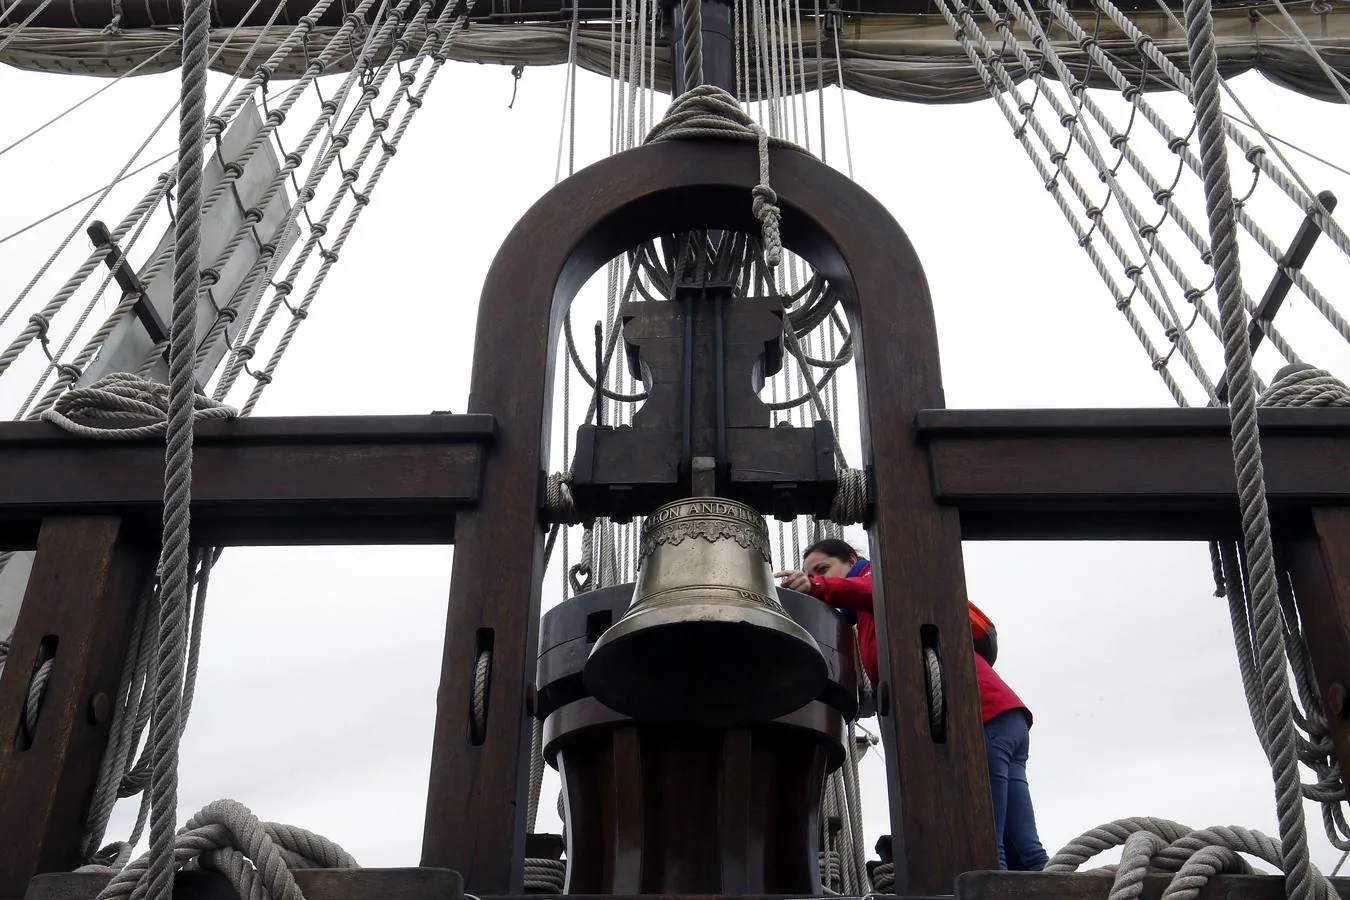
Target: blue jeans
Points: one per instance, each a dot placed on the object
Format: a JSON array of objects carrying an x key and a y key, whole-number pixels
[{"x": 1007, "y": 741}]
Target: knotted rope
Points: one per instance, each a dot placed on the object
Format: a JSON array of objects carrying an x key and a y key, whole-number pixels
[
  {"x": 708, "y": 112},
  {"x": 1160, "y": 845},
  {"x": 257, "y": 857},
  {"x": 121, "y": 399}
]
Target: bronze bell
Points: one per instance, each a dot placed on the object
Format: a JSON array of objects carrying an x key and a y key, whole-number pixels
[{"x": 705, "y": 641}]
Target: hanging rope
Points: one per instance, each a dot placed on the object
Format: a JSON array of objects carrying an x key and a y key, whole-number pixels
[
  {"x": 693, "y": 44},
  {"x": 165, "y": 728},
  {"x": 1279, "y": 735}
]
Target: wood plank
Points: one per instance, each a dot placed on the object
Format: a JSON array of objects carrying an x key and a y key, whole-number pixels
[
  {"x": 88, "y": 575},
  {"x": 1120, "y": 473},
  {"x": 1090, "y": 886},
  {"x": 341, "y": 480},
  {"x": 1319, "y": 569},
  {"x": 315, "y": 884}
]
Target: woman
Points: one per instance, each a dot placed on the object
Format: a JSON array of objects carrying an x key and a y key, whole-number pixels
[{"x": 835, "y": 574}]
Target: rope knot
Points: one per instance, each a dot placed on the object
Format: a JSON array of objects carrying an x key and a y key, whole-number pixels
[{"x": 708, "y": 112}]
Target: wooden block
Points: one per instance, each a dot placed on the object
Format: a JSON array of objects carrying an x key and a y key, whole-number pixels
[
  {"x": 1088, "y": 886},
  {"x": 316, "y": 884},
  {"x": 80, "y": 606}
]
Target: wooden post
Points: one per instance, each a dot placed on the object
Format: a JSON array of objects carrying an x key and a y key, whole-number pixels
[
  {"x": 1319, "y": 568},
  {"x": 79, "y": 610}
]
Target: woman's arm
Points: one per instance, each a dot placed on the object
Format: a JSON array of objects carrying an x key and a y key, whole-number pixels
[{"x": 846, "y": 593}]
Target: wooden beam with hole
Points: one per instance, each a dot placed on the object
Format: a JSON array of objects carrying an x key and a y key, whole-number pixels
[
  {"x": 1148, "y": 474},
  {"x": 266, "y": 481}
]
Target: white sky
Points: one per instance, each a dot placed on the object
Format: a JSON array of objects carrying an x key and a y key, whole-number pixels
[{"x": 315, "y": 703}]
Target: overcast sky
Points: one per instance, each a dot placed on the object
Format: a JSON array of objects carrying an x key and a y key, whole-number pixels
[{"x": 315, "y": 703}]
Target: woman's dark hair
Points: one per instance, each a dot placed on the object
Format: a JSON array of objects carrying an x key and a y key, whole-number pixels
[{"x": 841, "y": 550}]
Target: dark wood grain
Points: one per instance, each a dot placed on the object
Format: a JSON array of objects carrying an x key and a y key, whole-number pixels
[
  {"x": 343, "y": 480},
  {"x": 1086, "y": 886},
  {"x": 476, "y": 799},
  {"x": 1319, "y": 569},
  {"x": 1125, "y": 473},
  {"x": 317, "y": 884},
  {"x": 81, "y": 599}
]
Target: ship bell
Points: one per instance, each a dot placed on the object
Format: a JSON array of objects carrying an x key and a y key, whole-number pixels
[{"x": 705, "y": 641}]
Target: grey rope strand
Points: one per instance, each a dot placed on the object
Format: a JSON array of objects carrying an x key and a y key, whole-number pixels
[
  {"x": 165, "y": 732},
  {"x": 693, "y": 44},
  {"x": 1247, "y": 451}
]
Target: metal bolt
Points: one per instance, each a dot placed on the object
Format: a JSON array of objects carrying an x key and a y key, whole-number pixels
[
  {"x": 1338, "y": 702},
  {"x": 100, "y": 708}
]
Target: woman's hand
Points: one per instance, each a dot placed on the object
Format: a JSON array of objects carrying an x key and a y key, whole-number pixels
[{"x": 794, "y": 580}]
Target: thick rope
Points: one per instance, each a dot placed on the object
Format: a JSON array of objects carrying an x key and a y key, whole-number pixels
[
  {"x": 1159, "y": 845},
  {"x": 257, "y": 857},
  {"x": 121, "y": 399},
  {"x": 536, "y": 774},
  {"x": 693, "y": 44},
  {"x": 937, "y": 703},
  {"x": 1280, "y": 737},
  {"x": 32, "y": 703},
  {"x": 559, "y": 505},
  {"x": 1303, "y": 385},
  {"x": 175, "y": 560},
  {"x": 850, "y": 498},
  {"x": 883, "y": 878},
  {"x": 708, "y": 112},
  {"x": 545, "y": 876}
]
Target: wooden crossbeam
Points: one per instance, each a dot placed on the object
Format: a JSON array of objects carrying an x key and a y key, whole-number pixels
[
  {"x": 267, "y": 481},
  {"x": 1153, "y": 474}
]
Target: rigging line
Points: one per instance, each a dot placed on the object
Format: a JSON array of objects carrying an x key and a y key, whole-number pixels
[
  {"x": 569, "y": 99},
  {"x": 1310, "y": 197},
  {"x": 253, "y": 48},
  {"x": 1133, "y": 219},
  {"x": 1019, "y": 131},
  {"x": 843, "y": 107},
  {"x": 1291, "y": 145},
  {"x": 1332, "y": 75},
  {"x": 102, "y": 192},
  {"x": 64, "y": 378},
  {"x": 154, "y": 162},
  {"x": 17, "y": 29},
  {"x": 60, "y": 300},
  {"x": 59, "y": 116}
]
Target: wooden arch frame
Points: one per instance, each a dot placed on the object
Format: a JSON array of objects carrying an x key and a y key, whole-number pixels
[{"x": 940, "y": 808}]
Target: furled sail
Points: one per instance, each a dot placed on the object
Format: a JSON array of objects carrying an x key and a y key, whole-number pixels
[{"x": 910, "y": 56}]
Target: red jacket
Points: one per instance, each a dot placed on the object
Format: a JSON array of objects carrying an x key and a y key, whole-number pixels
[{"x": 855, "y": 594}]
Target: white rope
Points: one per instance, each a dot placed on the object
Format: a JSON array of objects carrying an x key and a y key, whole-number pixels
[
  {"x": 1160, "y": 845},
  {"x": 257, "y": 857},
  {"x": 1276, "y": 722},
  {"x": 1304, "y": 385},
  {"x": 121, "y": 399}
]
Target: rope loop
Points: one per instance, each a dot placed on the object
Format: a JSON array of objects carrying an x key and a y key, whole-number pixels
[
  {"x": 708, "y": 112},
  {"x": 1299, "y": 384},
  {"x": 121, "y": 398}
]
